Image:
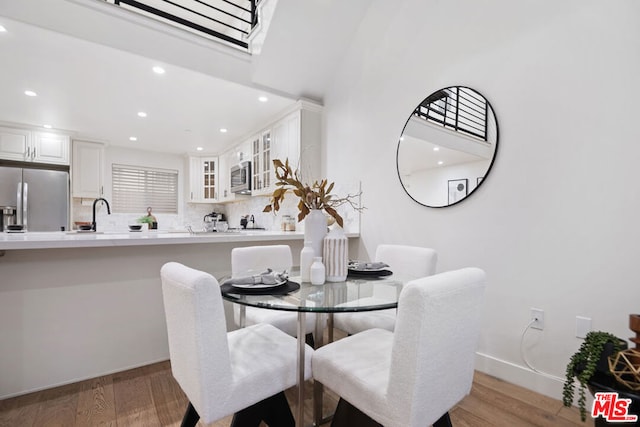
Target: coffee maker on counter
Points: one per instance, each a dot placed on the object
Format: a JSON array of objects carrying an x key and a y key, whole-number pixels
[
  {"x": 211, "y": 221},
  {"x": 7, "y": 216}
]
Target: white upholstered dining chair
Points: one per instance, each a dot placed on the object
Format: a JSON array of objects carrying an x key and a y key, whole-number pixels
[
  {"x": 253, "y": 260},
  {"x": 243, "y": 372},
  {"x": 407, "y": 262},
  {"x": 416, "y": 374}
]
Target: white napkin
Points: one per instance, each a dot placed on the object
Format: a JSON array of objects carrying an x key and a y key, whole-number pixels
[
  {"x": 362, "y": 265},
  {"x": 268, "y": 277}
]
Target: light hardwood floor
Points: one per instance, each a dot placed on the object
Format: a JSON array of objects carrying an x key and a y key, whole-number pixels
[{"x": 149, "y": 396}]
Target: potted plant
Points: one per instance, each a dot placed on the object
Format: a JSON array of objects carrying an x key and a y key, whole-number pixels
[{"x": 591, "y": 359}]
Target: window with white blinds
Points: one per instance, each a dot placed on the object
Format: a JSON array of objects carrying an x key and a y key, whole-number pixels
[{"x": 136, "y": 188}]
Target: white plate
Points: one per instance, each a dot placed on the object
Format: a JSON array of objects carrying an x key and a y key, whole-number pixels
[{"x": 259, "y": 285}]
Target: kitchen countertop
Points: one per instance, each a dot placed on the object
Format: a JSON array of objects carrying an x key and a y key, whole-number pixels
[{"x": 60, "y": 239}]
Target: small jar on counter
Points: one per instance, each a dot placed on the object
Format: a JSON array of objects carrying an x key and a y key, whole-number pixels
[{"x": 288, "y": 223}]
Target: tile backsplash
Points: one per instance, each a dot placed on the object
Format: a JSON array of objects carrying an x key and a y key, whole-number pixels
[{"x": 193, "y": 214}]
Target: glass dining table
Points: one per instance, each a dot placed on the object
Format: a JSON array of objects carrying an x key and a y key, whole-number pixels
[{"x": 356, "y": 294}]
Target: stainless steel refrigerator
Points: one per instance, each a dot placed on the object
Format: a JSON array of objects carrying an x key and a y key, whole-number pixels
[{"x": 40, "y": 197}]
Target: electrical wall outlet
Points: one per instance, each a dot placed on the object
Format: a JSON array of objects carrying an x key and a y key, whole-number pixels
[
  {"x": 583, "y": 326},
  {"x": 537, "y": 317}
]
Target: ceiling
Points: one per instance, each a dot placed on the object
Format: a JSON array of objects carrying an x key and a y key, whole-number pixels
[{"x": 95, "y": 92}]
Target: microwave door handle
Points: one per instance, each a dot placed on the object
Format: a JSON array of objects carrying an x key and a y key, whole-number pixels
[{"x": 25, "y": 204}]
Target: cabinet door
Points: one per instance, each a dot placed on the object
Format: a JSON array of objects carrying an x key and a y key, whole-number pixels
[
  {"x": 203, "y": 172},
  {"x": 286, "y": 140},
  {"x": 225, "y": 162},
  {"x": 256, "y": 164},
  {"x": 87, "y": 169},
  {"x": 195, "y": 180},
  {"x": 50, "y": 148},
  {"x": 209, "y": 178},
  {"x": 14, "y": 144},
  {"x": 261, "y": 166},
  {"x": 268, "y": 177}
]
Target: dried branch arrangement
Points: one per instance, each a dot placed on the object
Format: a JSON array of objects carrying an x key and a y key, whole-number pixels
[{"x": 315, "y": 196}]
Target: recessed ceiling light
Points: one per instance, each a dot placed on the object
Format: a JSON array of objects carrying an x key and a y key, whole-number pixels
[
  {"x": 158, "y": 70},
  {"x": 2, "y": 29},
  {"x": 440, "y": 162},
  {"x": 30, "y": 93},
  {"x": 436, "y": 148},
  {"x": 223, "y": 130},
  {"x": 47, "y": 126},
  {"x": 133, "y": 138},
  {"x": 199, "y": 148},
  {"x": 263, "y": 99},
  {"x": 142, "y": 114}
]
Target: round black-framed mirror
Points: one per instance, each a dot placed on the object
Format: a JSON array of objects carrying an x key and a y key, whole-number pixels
[{"x": 447, "y": 147}]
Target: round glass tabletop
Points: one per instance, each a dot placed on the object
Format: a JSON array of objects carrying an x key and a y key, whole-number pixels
[{"x": 354, "y": 294}]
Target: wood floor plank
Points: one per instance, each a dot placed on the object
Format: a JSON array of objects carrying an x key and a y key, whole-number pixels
[
  {"x": 497, "y": 417},
  {"x": 149, "y": 396},
  {"x": 58, "y": 406},
  {"x": 168, "y": 398},
  {"x": 133, "y": 401},
  {"x": 540, "y": 416},
  {"x": 462, "y": 418},
  {"x": 20, "y": 410},
  {"x": 96, "y": 403}
]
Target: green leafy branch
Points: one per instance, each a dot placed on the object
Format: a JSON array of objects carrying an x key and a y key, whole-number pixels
[{"x": 582, "y": 365}]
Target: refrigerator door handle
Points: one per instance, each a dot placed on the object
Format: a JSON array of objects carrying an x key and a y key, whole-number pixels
[
  {"x": 19, "y": 204},
  {"x": 25, "y": 202}
]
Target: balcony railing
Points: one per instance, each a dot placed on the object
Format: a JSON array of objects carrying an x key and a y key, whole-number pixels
[
  {"x": 457, "y": 108},
  {"x": 227, "y": 20}
]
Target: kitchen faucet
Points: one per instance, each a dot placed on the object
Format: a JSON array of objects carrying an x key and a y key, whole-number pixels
[{"x": 93, "y": 223}]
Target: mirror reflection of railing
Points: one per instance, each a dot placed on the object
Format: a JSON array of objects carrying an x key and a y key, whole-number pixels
[
  {"x": 458, "y": 108},
  {"x": 439, "y": 161},
  {"x": 230, "y": 21}
]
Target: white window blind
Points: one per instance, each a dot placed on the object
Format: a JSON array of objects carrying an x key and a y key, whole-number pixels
[{"x": 136, "y": 188}]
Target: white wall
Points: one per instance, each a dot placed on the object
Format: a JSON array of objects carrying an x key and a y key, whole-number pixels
[{"x": 555, "y": 224}]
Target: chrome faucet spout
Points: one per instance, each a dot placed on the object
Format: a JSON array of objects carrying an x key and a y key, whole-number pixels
[{"x": 93, "y": 222}]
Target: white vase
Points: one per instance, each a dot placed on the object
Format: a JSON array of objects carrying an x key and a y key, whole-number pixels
[
  {"x": 317, "y": 271},
  {"x": 315, "y": 228},
  {"x": 306, "y": 259},
  {"x": 336, "y": 255}
]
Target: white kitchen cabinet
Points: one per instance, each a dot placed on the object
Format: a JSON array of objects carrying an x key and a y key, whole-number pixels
[
  {"x": 50, "y": 148},
  {"x": 262, "y": 175},
  {"x": 297, "y": 137},
  {"x": 87, "y": 169},
  {"x": 224, "y": 181},
  {"x": 14, "y": 143},
  {"x": 203, "y": 179},
  {"x": 34, "y": 146}
]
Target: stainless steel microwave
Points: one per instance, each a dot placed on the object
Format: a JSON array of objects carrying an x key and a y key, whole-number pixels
[{"x": 241, "y": 178}]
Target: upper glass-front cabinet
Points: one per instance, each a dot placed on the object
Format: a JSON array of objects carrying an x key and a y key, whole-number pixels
[
  {"x": 204, "y": 179},
  {"x": 261, "y": 167}
]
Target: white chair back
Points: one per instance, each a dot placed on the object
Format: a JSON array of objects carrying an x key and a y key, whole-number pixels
[
  {"x": 258, "y": 258},
  {"x": 434, "y": 344},
  {"x": 411, "y": 262},
  {"x": 197, "y": 334}
]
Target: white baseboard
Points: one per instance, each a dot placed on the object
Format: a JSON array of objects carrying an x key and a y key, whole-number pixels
[
  {"x": 548, "y": 385},
  {"x": 83, "y": 378}
]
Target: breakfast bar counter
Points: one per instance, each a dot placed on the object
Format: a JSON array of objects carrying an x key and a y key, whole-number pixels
[
  {"x": 78, "y": 306},
  {"x": 71, "y": 239}
]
